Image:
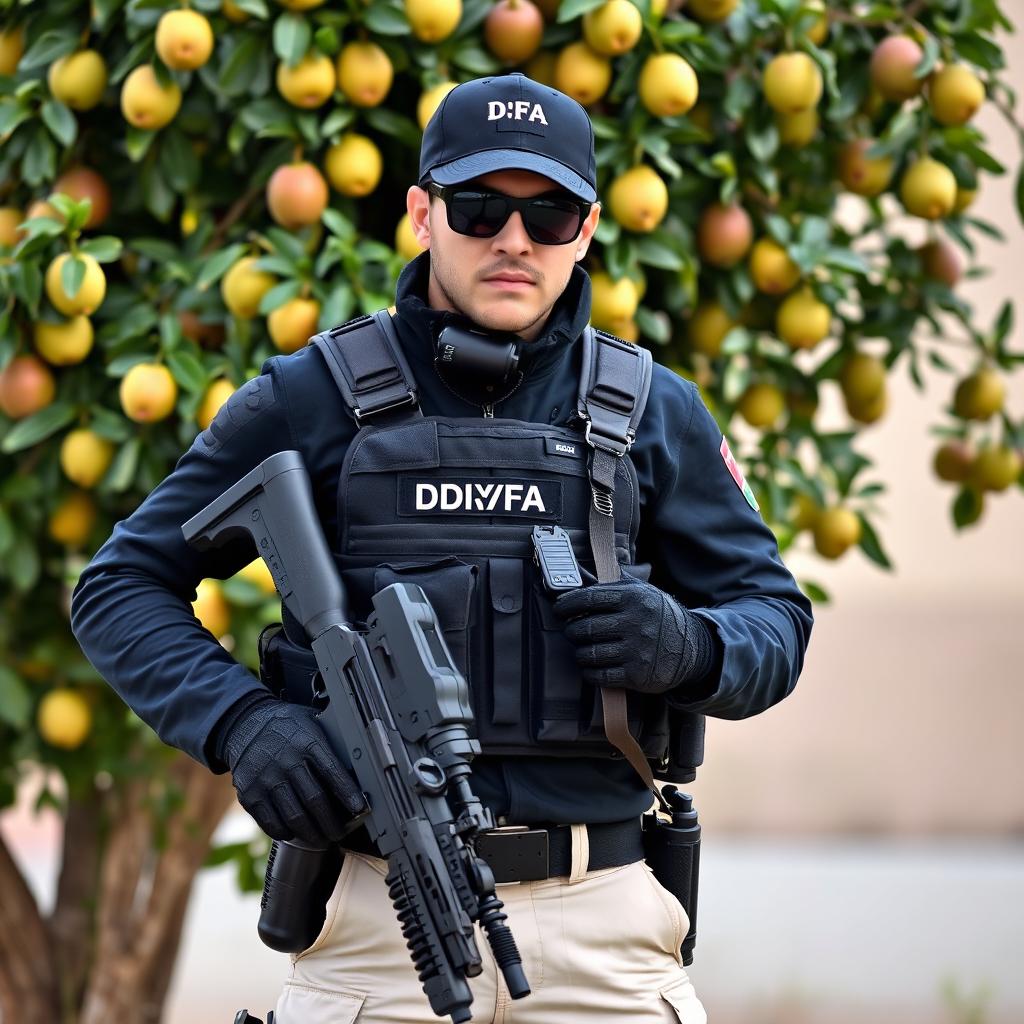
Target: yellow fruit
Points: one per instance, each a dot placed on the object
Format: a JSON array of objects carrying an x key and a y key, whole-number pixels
[
  {"x": 354, "y": 165},
  {"x": 541, "y": 67},
  {"x": 928, "y": 189},
  {"x": 243, "y": 286},
  {"x": 627, "y": 330},
  {"x": 12, "y": 48},
  {"x": 804, "y": 512},
  {"x": 711, "y": 10},
  {"x": 211, "y": 608},
  {"x": 836, "y": 530},
  {"x": 724, "y": 234},
  {"x": 310, "y": 83},
  {"x": 188, "y": 222},
  {"x": 184, "y": 40},
  {"x": 216, "y": 395},
  {"x": 995, "y": 468},
  {"x": 818, "y": 29},
  {"x": 78, "y": 79},
  {"x": 708, "y": 327},
  {"x": 582, "y": 74},
  {"x": 148, "y": 393},
  {"x": 862, "y": 378},
  {"x": 870, "y": 410},
  {"x": 85, "y": 457},
  {"x": 773, "y": 272},
  {"x": 964, "y": 198},
  {"x": 513, "y": 30},
  {"x": 892, "y": 68},
  {"x": 433, "y": 20},
  {"x": 668, "y": 85},
  {"x": 26, "y": 386},
  {"x": 638, "y": 199},
  {"x": 91, "y": 291},
  {"x": 300, "y": 5},
  {"x": 980, "y": 395},
  {"x": 761, "y": 405},
  {"x": 797, "y": 130},
  {"x": 861, "y": 174},
  {"x": 146, "y": 103},
  {"x": 954, "y": 94},
  {"x": 64, "y": 718},
  {"x": 612, "y": 302},
  {"x": 406, "y": 244},
  {"x": 233, "y": 12},
  {"x": 364, "y": 73},
  {"x": 10, "y": 218},
  {"x": 613, "y": 28},
  {"x": 257, "y": 573},
  {"x": 803, "y": 320},
  {"x": 72, "y": 520},
  {"x": 953, "y": 461},
  {"x": 940, "y": 261},
  {"x": 658, "y": 8},
  {"x": 65, "y": 343},
  {"x": 293, "y": 323},
  {"x": 84, "y": 183},
  {"x": 792, "y": 83},
  {"x": 430, "y": 100},
  {"x": 297, "y": 195}
]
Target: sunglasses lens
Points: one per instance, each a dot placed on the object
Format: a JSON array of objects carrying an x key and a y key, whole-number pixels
[
  {"x": 478, "y": 214},
  {"x": 483, "y": 215},
  {"x": 550, "y": 222}
]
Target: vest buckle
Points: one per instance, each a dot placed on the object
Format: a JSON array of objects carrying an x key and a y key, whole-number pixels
[
  {"x": 614, "y": 445},
  {"x": 409, "y": 398}
]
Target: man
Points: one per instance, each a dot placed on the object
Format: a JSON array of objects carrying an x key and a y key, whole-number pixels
[{"x": 443, "y": 489}]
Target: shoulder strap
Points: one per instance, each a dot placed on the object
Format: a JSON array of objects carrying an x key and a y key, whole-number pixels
[
  {"x": 614, "y": 383},
  {"x": 367, "y": 363}
]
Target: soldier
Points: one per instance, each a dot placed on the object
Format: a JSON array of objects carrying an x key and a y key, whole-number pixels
[{"x": 437, "y": 438}]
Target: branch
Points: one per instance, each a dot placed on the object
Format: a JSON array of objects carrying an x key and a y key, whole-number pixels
[
  {"x": 28, "y": 986},
  {"x": 235, "y": 211}
]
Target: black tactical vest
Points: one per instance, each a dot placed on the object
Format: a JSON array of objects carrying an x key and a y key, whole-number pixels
[{"x": 449, "y": 503}]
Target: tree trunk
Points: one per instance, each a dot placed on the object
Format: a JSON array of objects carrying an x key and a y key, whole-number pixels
[{"x": 107, "y": 954}]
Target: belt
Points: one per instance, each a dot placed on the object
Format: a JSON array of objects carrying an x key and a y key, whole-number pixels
[{"x": 519, "y": 853}]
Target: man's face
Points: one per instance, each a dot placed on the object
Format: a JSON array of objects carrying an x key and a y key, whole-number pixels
[{"x": 504, "y": 283}]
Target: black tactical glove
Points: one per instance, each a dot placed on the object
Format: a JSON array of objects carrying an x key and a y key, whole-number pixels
[
  {"x": 285, "y": 773},
  {"x": 631, "y": 634}
]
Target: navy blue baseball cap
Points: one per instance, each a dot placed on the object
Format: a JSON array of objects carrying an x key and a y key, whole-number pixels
[{"x": 510, "y": 122}]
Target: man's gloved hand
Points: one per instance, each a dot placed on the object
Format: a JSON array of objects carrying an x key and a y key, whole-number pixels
[
  {"x": 285, "y": 773},
  {"x": 631, "y": 634}
]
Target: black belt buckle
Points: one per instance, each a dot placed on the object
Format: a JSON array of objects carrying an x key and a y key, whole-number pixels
[{"x": 515, "y": 853}]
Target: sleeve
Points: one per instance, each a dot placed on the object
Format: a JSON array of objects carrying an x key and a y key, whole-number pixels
[
  {"x": 131, "y": 609},
  {"x": 712, "y": 550}
]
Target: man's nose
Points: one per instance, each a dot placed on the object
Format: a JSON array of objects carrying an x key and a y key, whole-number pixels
[{"x": 512, "y": 238}]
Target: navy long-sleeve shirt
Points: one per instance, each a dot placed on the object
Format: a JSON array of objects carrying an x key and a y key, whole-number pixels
[{"x": 131, "y": 609}]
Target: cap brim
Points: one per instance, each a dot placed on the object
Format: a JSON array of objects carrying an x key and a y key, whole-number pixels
[{"x": 468, "y": 167}]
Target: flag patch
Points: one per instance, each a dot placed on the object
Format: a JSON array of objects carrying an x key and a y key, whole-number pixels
[{"x": 737, "y": 474}]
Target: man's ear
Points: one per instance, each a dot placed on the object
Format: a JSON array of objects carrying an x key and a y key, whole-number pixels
[
  {"x": 417, "y": 203},
  {"x": 587, "y": 231}
]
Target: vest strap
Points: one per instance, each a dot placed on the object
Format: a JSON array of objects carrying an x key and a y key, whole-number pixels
[
  {"x": 370, "y": 369},
  {"x": 614, "y": 384}
]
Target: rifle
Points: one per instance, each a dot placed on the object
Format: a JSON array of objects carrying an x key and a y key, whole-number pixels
[{"x": 398, "y": 713}]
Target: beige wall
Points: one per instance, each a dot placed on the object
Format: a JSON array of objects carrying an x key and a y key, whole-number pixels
[{"x": 910, "y": 712}]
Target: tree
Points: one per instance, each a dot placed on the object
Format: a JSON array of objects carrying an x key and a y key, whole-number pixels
[{"x": 185, "y": 192}]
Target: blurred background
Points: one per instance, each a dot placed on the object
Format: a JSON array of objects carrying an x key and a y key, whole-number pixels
[{"x": 863, "y": 850}]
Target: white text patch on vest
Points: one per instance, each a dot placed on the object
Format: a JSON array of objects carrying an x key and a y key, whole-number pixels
[{"x": 541, "y": 499}]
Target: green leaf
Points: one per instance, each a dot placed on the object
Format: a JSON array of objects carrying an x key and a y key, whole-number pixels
[
  {"x": 122, "y": 470},
  {"x": 338, "y": 224},
  {"x": 109, "y": 424},
  {"x": 569, "y": 9},
  {"x": 257, "y": 8},
  {"x": 845, "y": 259},
  {"x": 814, "y": 592},
  {"x": 12, "y": 114},
  {"x": 341, "y": 301},
  {"x": 49, "y": 47},
  {"x": 15, "y": 699},
  {"x": 386, "y": 20},
  {"x": 137, "y": 142},
  {"x": 292, "y": 36},
  {"x": 654, "y": 325},
  {"x": 656, "y": 252},
  {"x": 218, "y": 264},
  {"x": 61, "y": 122},
  {"x": 6, "y": 531},
  {"x": 103, "y": 248},
  {"x": 278, "y": 295},
  {"x": 40, "y": 162},
  {"x": 870, "y": 544},
  {"x": 158, "y": 195},
  {"x": 178, "y": 161},
  {"x": 72, "y": 273},
  {"x": 37, "y": 427},
  {"x": 929, "y": 59},
  {"x": 608, "y": 231},
  {"x": 239, "y": 69},
  {"x": 187, "y": 370},
  {"x": 967, "y": 507},
  {"x": 387, "y": 121},
  {"x": 337, "y": 121},
  {"x": 473, "y": 57}
]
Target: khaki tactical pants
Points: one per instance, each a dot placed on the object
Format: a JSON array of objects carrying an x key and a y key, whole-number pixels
[{"x": 596, "y": 946}]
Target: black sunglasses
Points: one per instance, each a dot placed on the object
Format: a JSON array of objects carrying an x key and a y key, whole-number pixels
[{"x": 549, "y": 220}]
